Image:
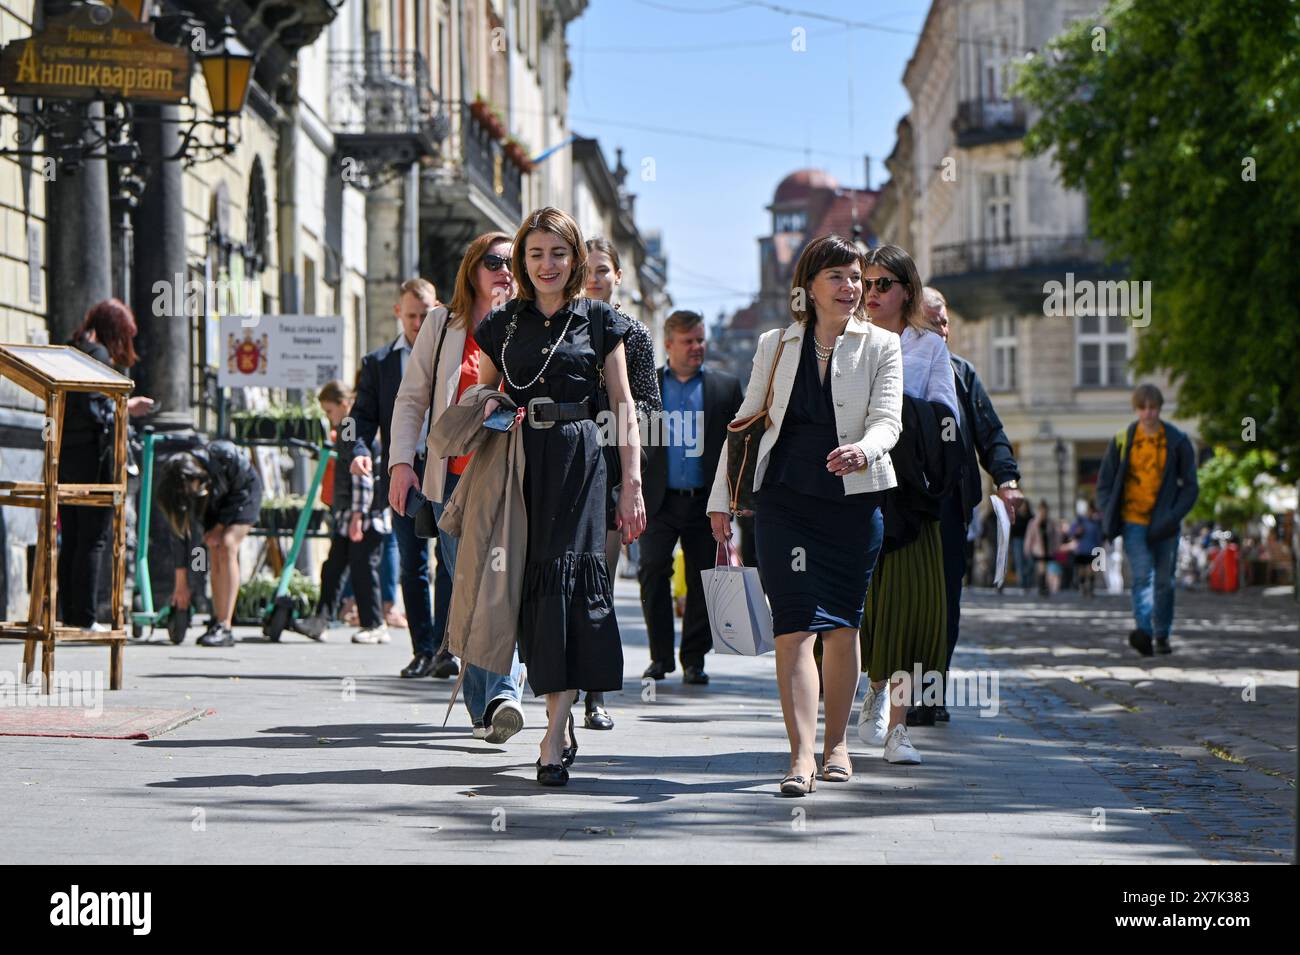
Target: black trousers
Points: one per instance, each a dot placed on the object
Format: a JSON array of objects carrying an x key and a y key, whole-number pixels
[
  {"x": 685, "y": 519},
  {"x": 84, "y": 534},
  {"x": 952, "y": 535},
  {"x": 362, "y": 559}
]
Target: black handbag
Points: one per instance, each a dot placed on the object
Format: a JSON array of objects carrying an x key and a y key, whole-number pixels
[
  {"x": 743, "y": 436},
  {"x": 613, "y": 463}
]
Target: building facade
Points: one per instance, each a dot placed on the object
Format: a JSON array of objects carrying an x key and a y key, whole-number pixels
[
  {"x": 807, "y": 204},
  {"x": 992, "y": 228}
]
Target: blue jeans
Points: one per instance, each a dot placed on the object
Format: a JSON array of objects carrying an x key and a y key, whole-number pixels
[
  {"x": 1153, "y": 567},
  {"x": 1024, "y": 563},
  {"x": 480, "y": 687},
  {"x": 413, "y": 553}
]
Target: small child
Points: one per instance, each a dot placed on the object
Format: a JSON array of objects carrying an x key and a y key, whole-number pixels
[{"x": 360, "y": 523}]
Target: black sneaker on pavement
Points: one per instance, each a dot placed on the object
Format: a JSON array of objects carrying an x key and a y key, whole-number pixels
[
  {"x": 444, "y": 666},
  {"x": 217, "y": 636},
  {"x": 1162, "y": 646},
  {"x": 1140, "y": 641}
]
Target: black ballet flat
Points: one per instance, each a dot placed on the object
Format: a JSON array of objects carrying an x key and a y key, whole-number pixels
[
  {"x": 570, "y": 752},
  {"x": 552, "y": 775}
]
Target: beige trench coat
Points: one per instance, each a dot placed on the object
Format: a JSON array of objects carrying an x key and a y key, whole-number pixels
[{"x": 487, "y": 512}]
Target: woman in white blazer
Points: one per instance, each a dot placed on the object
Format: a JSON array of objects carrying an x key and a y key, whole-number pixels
[
  {"x": 482, "y": 282},
  {"x": 822, "y": 467}
]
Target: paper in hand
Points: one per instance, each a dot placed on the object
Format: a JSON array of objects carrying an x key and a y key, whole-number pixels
[{"x": 1003, "y": 518}]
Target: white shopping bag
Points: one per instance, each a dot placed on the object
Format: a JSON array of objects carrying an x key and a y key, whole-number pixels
[
  {"x": 1003, "y": 518},
  {"x": 739, "y": 617}
]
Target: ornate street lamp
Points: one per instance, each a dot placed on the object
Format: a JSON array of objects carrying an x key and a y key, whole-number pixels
[
  {"x": 1062, "y": 455},
  {"x": 227, "y": 70}
]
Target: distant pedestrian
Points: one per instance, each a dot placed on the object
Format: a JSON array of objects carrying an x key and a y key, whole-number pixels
[
  {"x": 1086, "y": 532},
  {"x": 1023, "y": 562},
  {"x": 1042, "y": 538},
  {"x": 1146, "y": 486},
  {"x": 360, "y": 522},
  {"x": 604, "y": 276}
]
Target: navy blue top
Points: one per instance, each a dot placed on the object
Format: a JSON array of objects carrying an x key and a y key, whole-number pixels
[{"x": 808, "y": 433}]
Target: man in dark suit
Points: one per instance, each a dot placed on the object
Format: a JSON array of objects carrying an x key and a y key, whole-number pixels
[
  {"x": 984, "y": 444},
  {"x": 681, "y": 458},
  {"x": 377, "y": 382}
]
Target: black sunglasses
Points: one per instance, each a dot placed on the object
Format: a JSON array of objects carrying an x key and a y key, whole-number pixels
[
  {"x": 883, "y": 284},
  {"x": 496, "y": 263}
]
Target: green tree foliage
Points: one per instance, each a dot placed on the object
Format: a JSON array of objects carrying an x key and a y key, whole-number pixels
[
  {"x": 1180, "y": 120},
  {"x": 1233, "y": 488}
]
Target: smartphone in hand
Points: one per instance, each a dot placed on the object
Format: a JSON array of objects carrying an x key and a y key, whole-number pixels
[{"x": 503, "y": 419}]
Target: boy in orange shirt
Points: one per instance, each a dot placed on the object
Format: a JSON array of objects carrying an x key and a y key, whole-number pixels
[{"x": 1145, "y": 488}]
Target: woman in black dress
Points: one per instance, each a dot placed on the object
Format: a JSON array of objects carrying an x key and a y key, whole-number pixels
[{"x": 556, "y": 352}]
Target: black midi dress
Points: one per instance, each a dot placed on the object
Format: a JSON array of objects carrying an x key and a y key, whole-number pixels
[{"x": 568, "y": 634}]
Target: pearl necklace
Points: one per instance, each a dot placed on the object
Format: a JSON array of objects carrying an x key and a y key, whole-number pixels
[
  {"x": 824, "y": 354},
  {"x": 548, "y": 351}
]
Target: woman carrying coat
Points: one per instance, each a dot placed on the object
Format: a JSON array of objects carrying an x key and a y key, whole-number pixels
[
  {"x": 444, "y": 363},
  {"x": 557, "y": 353},
  {"x": 823, "y": 465}
]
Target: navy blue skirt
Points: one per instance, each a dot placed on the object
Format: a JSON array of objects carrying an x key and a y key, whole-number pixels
[{"x": 816, "y": 556}]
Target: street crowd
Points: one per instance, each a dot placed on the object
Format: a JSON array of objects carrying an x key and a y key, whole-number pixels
[{"x": 480, "y": 431}]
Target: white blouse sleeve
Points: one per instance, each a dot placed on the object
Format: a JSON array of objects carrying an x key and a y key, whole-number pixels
[{"x": 941, "y": 386}]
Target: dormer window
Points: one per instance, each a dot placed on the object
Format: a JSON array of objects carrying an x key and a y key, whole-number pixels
[{"x": 789, "y": 222}]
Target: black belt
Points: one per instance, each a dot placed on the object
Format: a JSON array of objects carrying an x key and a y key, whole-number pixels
[
  {"x": 544, "y": 412},
  {"x": 687, "y": 492}
]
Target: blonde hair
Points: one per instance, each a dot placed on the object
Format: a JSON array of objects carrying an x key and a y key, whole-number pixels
[{"x": 561, "y": 225}]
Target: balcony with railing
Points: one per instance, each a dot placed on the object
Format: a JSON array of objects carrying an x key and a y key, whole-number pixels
[
  {"x": 995, "y": 276},
  {"x": 981, "y": 121},
  {"x": 488, "y": 167},
  {"x": 383, "y": 109}
]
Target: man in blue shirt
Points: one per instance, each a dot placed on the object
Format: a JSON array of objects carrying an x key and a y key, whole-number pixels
[{"x": 682, "y": 454}]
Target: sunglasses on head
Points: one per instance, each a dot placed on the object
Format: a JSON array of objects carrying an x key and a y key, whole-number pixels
[
  {"x": 495, "y": 263},
  {"x": 883, "y": 284}
]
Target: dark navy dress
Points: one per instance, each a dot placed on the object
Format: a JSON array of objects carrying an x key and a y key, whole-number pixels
[
  {"x": 816, "y": 545},
  {"x": 568, "y": 635}
]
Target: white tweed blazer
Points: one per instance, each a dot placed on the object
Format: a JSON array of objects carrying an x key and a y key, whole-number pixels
[{"x": 866, "y": 385}]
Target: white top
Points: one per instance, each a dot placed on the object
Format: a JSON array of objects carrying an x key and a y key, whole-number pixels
[{"x": 927, "y": 368}]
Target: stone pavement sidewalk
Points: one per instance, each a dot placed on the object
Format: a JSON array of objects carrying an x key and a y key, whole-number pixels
[{"x": 323, "y": 754}]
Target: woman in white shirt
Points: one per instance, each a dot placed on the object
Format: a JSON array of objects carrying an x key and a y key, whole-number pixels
[{"x": 904, "y": 622}]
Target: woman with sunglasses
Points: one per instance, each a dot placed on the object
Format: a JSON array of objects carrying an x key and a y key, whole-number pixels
[
  {"x": 904, "y": 622},
  {"x": 445, "y": 362},
  {"x": 556, "y": 352},
  {"x": 604, "y": 275},
  {"x": 822, "y": 469}
]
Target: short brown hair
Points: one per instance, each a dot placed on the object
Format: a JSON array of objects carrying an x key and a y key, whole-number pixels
[
  {"x": 421, "y": 288},
  {"x": 560, "y": 224},
  {"x": 827, "y": 252},
  {"x": 1148, "y": 394},
  {"x": 464, "y": 296},
  {"x": 335, "y": 392},
  {"x": 896, "y": 260},
  {"x": 682, "y": 320}
]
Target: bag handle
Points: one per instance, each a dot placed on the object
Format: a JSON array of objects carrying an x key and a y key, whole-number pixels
[
  {"x": 733, "y": 492},
  {"x": 726, "y": 556}
]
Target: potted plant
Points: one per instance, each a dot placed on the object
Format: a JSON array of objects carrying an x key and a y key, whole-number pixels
[
  {"x": 251, "y": 426},
  {"x": 518, "y": 154},
  {"x": 301, "y": 423}
]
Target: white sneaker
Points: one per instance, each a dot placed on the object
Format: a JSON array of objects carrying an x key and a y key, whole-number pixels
[
  {"x": 899, "y": 749},
  {"x": 96, "y": 627},
  {"x": 480, "y": 732},
  {"x": 371, "y": 635},
  {"x": 873, "y": 721},
  {"x": 507, "y": 720}
]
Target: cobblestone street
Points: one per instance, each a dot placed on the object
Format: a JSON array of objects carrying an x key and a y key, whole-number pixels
[{"x": 322, "y": 754}]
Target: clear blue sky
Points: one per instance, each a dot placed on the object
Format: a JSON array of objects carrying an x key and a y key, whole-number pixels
[{"x": 727, "y": 69}]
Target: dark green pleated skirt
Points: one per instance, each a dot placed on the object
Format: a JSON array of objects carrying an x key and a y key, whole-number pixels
[{"x": 905, "y": 621}]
